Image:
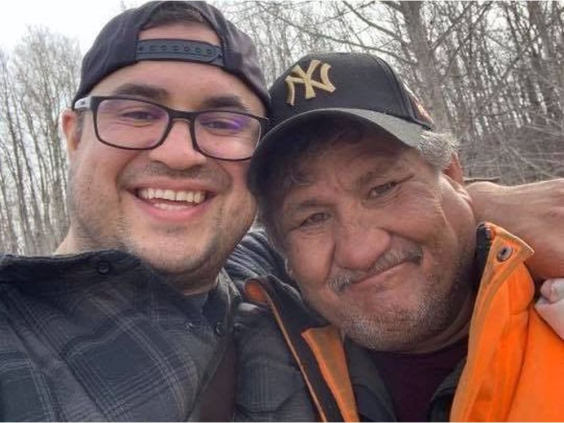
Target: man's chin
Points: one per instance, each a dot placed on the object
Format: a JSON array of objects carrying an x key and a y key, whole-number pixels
[
  {"x": 171, "y": 263},
  {"x": 174, "y": 257},
  {"x": 185, "y": 273}
]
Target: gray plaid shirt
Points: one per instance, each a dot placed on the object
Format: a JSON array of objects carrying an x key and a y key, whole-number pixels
[{"x": 99, "y": 336}]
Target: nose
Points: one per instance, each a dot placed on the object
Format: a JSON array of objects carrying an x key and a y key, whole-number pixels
[
  {"x": 177, "y": 151},
  {"x": 358, "y": 244}
]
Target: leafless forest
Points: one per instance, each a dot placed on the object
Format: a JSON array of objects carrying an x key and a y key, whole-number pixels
[{"x": 492, "y": 73}]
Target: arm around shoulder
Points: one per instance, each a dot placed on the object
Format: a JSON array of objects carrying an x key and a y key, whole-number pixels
[{"x": 534, "y": 212}]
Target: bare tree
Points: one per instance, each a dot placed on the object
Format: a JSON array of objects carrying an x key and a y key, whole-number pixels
[
  {"x": 490, "y": 72},
  {"x": 37, "y": 82}
]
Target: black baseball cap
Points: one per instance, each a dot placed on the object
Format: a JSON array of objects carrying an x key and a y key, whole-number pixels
[
  {"x": 118, "y": 46},
  {"x": 359, "y": 86}
]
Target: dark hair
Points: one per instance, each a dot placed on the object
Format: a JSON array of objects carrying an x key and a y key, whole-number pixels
[{"x": 173, "y": 13}]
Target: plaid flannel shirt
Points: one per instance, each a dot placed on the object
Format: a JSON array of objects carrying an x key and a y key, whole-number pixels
[{"x": 99, "y": 336}]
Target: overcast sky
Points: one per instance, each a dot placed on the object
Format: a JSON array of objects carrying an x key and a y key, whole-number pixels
[{"x": 76, "y": 18}]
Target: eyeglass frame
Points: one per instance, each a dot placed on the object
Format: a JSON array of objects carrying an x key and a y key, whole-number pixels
[{"x": 93, "y": 102}]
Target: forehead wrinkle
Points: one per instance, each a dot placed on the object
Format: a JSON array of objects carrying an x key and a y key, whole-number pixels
[
  {"x": 383, "y": 167},
  {"x": 301, "y": 206}
]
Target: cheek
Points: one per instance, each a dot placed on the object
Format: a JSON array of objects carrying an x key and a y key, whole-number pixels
[
  {"x": 449, "y": 236},
  {"x": 235, "y": 206},
  {"x": 310, "y": 263},
  {"x": 236, "y": 172},
  {"x": 91, "y": 156},
  {"x": 460, "y": 217},
  {"x": 421, "y": 214},
  {"x": 97, "y": 169},
  {"x": 241, "y": 197},
  {"x": 318, "y": 296}
]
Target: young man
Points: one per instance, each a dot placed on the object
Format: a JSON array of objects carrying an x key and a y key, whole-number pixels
[
  {"x": 132, "y": 318},
  {"x": 366, "y": 203}
]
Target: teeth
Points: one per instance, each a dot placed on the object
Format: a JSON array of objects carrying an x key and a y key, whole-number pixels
[
  {"x": 170, "y": 195},
  {"x": 167, "y": 206}
]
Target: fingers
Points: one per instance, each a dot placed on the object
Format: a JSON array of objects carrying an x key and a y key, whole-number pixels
[
  {"x": 551, "y": 304},
  {"x": 553, "y": 290}
]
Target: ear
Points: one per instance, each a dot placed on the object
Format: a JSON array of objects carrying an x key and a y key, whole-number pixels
[
  {"x": 454, "y": 170},
  {"x": 288, "y": 268},
  {"x": 456, "y": 178},
  {"x": 69, "y": 125}
]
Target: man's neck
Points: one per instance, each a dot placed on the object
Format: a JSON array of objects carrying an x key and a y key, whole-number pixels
[
  {"x": 195, "y": 287},
  {"x": 190, "y": 283}
]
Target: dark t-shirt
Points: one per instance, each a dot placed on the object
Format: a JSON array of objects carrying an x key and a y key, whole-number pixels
[{"x": 412, "y": 379}]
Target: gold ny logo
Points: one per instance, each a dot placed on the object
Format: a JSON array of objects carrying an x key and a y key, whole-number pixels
[{"x": 298, "y": 76}]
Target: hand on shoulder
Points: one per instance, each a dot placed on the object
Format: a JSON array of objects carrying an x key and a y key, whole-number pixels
[{"x": 551, "y": 304}]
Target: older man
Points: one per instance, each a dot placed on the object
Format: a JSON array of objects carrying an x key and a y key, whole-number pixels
[
  {"x": 366, "y": 202},
  {"x": 132, "y": 318}
]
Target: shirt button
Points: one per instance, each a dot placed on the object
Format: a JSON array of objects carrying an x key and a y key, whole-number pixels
[
  {"x": 190, "y": 325},
  {"x": 219, "y": 329},
  {"x": 103, "y": 267}
]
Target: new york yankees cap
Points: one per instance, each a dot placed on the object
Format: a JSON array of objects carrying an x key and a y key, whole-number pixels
[
  {"x": 118, "y": 46},
  {"x": 361, "y": 86}
]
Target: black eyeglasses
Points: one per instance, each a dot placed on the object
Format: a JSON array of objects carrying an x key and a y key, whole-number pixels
[{"x": 133, "y": 124}]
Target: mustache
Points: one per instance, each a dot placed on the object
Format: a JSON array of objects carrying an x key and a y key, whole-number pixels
[
  {"x": 205, "y": 173},
  {"x": 338, "y": 281}
]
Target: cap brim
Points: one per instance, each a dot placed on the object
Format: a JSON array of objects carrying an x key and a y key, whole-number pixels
[{"x": 407, "y": 132}]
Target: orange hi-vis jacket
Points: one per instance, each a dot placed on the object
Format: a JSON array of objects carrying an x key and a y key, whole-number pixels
[{"x": 515, "y": 365}]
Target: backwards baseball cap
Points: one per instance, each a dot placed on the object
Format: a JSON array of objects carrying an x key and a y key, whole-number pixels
[
  {"x": 118, "y": 46},
  {"x": 359, "y": 86}
]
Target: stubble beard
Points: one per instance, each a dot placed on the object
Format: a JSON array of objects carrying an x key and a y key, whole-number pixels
[
  {"x": 396, "y": 329},
  {"x": 190, "y": 272}
]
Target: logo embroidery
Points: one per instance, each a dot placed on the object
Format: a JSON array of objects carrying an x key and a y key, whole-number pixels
[{"x": 298, "y": 76}]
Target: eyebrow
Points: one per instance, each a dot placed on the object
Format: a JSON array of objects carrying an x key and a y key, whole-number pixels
[
  {"x": 160, "y": 95},
  {"x": 141, "y": 90},
  {"x": 383, "y": 171},
  {"x": 303, "y": 206},
  {"x": 225, "y": 101}
]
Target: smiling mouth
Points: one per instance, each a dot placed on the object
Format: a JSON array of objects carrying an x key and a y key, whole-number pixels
[
  {"x": 381, "y": 271},
  {"x": 376, "y": 280},
  {"x": 167, "y": 199}
]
